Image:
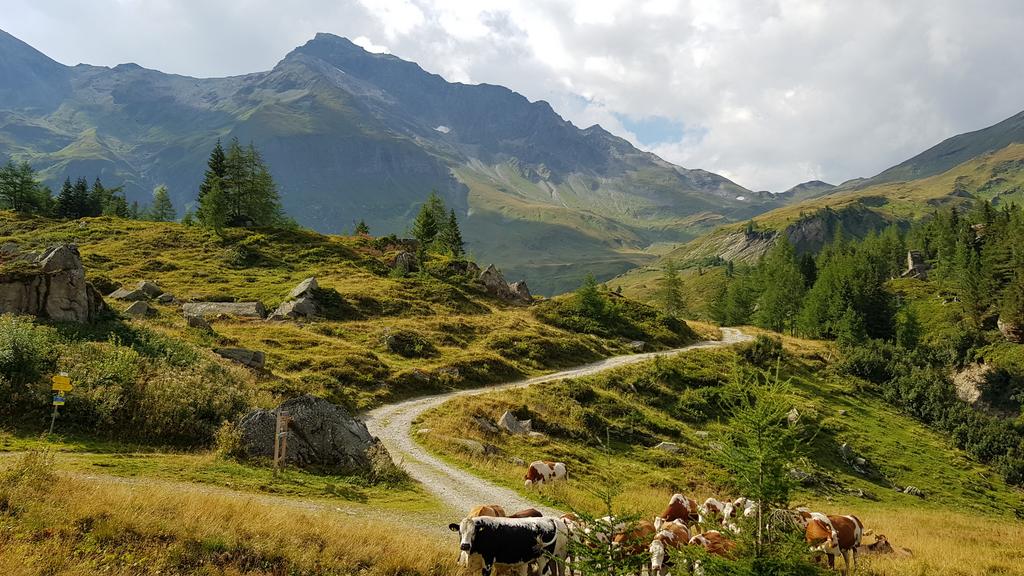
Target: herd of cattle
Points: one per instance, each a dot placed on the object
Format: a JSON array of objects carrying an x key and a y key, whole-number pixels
[{"x": 527, "y": 542}]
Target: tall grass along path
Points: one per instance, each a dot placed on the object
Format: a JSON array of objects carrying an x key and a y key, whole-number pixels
[{"x": 457, "y": 488}]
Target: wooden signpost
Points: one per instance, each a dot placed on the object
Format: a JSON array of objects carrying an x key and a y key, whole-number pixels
[
  {"x": 61, "y": 386},
  {"x": 281, "y": 439}
]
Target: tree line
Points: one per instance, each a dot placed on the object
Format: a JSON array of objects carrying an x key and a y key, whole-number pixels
[{"x": 845, "y": 293}]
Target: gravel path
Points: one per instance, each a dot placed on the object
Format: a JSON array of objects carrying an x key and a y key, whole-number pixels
[{"x": 457, "y": 488}]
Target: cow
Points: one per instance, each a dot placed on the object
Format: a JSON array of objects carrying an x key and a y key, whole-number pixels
[
  {"x": 631, "y": 540},
  {"x": 834, "y": 535},
  {"x": 881, "y": 545},
  {"x": 681, "y": 508},
  {"x": 492, "y": 510},
  {"x": 714, "y": 542},
  {"x": 713, "y": 509},
  {"x": 541, "y": 471},
  {"x": 513, "y": 542},
  {"x": 746, "y": 507},
  {"x": 670, "y": 536},
  {"x": 528, "y": 513}
]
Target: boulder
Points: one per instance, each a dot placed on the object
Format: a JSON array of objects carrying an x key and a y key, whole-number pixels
[
  {"x": 970, "y": 383},
  {"x": 670, "y": 447},
  {"x": 793, "y": 416},
  {"x": 128, "y": 295},
  {"x": 462, "y": 268},
  {"x": 1011, "y": 331},
  {"x": 53, "y": 287},
  {"x": 251, "y": 358},
  {"x": 237, "y": 309},
  {"x": 470, "y": 446},
  {"x": 404, "y": 263},
  {"x": 165, "y": 298},
  {"x": 321, "y": 435},
  {"x": 140, "y": 309},
  {"x": 197, "y": 322},
  {"x": 148, "y": 288},
  {"x": 512, "y": 425},
  {"x": 521, "y": 291},
  {"x": 518, "y": 461},
  {"x": 486, "y": 425},
  {"x": 305, "y": 307},
  {"x": 306, "y": 288},
  {"x": 494, "y": 283},
  {"x": 637, "y": 345},
  {"x": 913, "y": 491}
]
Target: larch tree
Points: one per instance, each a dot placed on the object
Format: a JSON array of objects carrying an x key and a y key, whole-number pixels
[
  {"x": 670, "y": 291},
  {"x": 162, "y": 209}
]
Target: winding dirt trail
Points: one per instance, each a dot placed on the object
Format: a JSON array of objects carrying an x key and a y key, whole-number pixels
[{"x": 457, "y": 488}]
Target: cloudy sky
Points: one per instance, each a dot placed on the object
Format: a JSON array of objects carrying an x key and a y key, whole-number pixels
[{"x": 767, "y": 92}]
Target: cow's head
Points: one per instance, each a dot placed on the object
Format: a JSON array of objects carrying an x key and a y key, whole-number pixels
[
  {"x": 466, "y": 530},
  {"x": 657, "y": 551},
  {"x": 880, "y": 545}
]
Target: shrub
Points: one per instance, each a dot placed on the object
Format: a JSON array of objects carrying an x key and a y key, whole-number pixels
[
  {"x": 27, "y": 353},
  {"x": 763, "y": 351},
  {"x": 409, "y": 344}
]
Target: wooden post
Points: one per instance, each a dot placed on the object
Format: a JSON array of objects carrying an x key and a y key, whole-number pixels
[
  {"x": 280, "y": 439},
  {"x": 53, "y": 419}
]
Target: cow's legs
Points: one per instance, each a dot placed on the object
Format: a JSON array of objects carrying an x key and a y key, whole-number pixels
[
  {"x": 846, "y": 562},
  {"x": 831, "y": 561}
]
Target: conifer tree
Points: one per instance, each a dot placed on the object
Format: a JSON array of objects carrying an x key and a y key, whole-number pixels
[
  {"x": 449, "y": 237},
  {"x": 670, "y": 294},
  {"x": 215, "y": 169},
  {"x": 213, "y": 211},
  {"x": 248, "y": 194},
  {"x": 162, "y": 209},
  {"x": 20, "y": 191},
  {"x": 782, "y": 286},
  {"x": 362, "y": 229},
  {"x": 73, "y": 201},
  {"x": 429, "y": 221}
]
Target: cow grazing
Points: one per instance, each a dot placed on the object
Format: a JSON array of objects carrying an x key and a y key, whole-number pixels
[
  {"x": 528, "y": 513},
  {"x": 746, "y": 507},
  {"x": 513, "y": 542},
  {"x": 714, "y": 542},
  {"x": 492, "y": 510},
  {"x": 835, "y": 535},
  {"x": 671, "y": 536},
  {"x": 632, "y": 541},
  {"x": 681, "y": 508},
  {"x": 715, "y": 510},
  {"x": 540, "y": 472}
]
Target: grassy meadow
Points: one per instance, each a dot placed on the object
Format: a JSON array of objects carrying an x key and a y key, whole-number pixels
[{"x": 605, "y": 427}]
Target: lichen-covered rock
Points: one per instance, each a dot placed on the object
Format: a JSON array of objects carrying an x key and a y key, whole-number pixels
[
  {"x": 512, "y": 425},
  {"x": 305, "y": 307},
  {"x": 148, "y": 288},
  {"x": 251, "y": 358},
  {"x": 321, "y": 435},
  {"x": 1011, "y": 331},
  {"x": 128, "y": 295},
  {"x": 521, "y": 291},
  {"x": 140, "y": 309},
  {"x": 197, "y": 322},
  {"x": 495, "y": 284},
  {"x": 54, "y": 287},
  {"x": 237, "y": 309},
  {"x": 305, "y": 288},
  {"x": 165, "y": 298}
]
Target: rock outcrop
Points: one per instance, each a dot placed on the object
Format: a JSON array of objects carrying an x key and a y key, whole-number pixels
[
  {"x": 321, "y": 435},
  {"x": 301, "y": 302},
  {"x": 53, "y": 286},
  {"x": 1013, "y": 332},
  {"x": 512, "y": 425},
  {"x": 140, "y": 309},
  {"x": 237, "y": 309},
  {"x": 404, "y": 263},
  {"x": 495, "y": 285},
  {"x": 251, "y": 358}
]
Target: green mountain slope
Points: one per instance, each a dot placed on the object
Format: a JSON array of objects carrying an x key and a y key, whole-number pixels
[{"x": 351, "y": 135}]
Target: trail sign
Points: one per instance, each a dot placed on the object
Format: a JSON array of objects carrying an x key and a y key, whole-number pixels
[
  {"x": 58, "y": 399},
  {"x": 62, "y": 383}
]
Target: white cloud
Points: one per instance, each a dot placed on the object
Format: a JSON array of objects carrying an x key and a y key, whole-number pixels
[
  {"x": 772, "y": 92},
  {"x": 369, "y": 46}
]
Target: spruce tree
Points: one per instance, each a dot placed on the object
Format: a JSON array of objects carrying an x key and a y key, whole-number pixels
[
  {"x": 782, "y": 288},
  {"x": 449, "y": 238},
  {"x": 215, "y": 169},
  {"x": 162, "y": 209},
  {"x": 428, "y": 222},
  {"x": 362, "y": 229},
  {"x": 99, "y": 197},
  {"x": 213, "y": 211},
  {"x": 73, "y": 201},
  {"x": 589, "y": 301},
  {"x": 669, "y": 293}
]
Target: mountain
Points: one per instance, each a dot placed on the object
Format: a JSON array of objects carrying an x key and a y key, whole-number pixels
[
  {"x": 809, "y": 189},
  {"x": 352, "y": 135}
]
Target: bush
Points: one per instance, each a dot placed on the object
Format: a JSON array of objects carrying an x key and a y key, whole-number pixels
[
  {"x": 409, "y": 344},
  {"x": 764, "y": 351},
  {"x": 875, "y": 361},
  {"x": 27, "y": 353}
]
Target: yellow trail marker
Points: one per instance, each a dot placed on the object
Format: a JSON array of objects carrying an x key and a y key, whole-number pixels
[{"x": 62, "y": 383}]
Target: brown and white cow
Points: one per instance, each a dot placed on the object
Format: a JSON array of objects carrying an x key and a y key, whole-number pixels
[
  {"x": 714, "y": 542},
  {"x": 527, "y": 513},
  {"x": 632, "y": 540},
  {"x": 681, "y": 508},
  {"x": 881, "y": 546},
  {"x": 671, "y": 536},
  {"x": 491, "y": 510},
  {"x": 714, "y": 510},
  {"x": 541, "y": 472},
  {"x": 835, "y": 536}
]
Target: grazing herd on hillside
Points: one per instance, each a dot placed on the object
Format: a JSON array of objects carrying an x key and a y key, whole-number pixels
[{"x": 528, "y": 543}]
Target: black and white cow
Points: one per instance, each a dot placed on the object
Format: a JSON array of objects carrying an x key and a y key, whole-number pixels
[{"x": 513, "y": 542}]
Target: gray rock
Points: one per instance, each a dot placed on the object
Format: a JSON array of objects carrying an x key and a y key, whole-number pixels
[
  {"x": 670, "y": 447},
  {"x": 304, "y": 307},
  {"x": 237, "y": 309},
  {"x": 197, "y": 322},
  {"x": 512, "y": 425},
  {"x": 140, "y": 309},
  {"x": 801, "y": 476},
  {"x": 128, "y": 295},
  {"x": 9, "y": 250},
  {"x": 321, "y": 435},
  {"x": 518, "y": 462},
  {"x": 842, "y": 412},
  {"x": 305, "y": 288},
  {"x": 251, "y": 358},
  {"x": 423, "y": 431},
  {"x": 914, "y": 491},
  {"x": 494, "y": 283},
  {"x": 148, "y": 288},
  {"x": 521, "y": 291},
  {"x": 537, "y": 436},
  {"x": 405, "y": 262},
  {"x": 470, "y": 446},
  {"x": 1010, "y": 330},
  {"x": 54, "y": 288},
  {"x": 793, "y": 416},
  {"x": 486, "y": 425},
  {"x": 462, "y": 268},
  {"x": 165, "y": 298},
  {"x": 703, "y": 434},
  {"x": 637, "y": 345}
]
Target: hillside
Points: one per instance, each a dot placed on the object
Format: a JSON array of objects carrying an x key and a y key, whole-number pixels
[{"x": 352, "y": 135}]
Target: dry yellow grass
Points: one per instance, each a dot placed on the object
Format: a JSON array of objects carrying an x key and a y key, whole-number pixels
[{"x": 76, "y": 526}]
